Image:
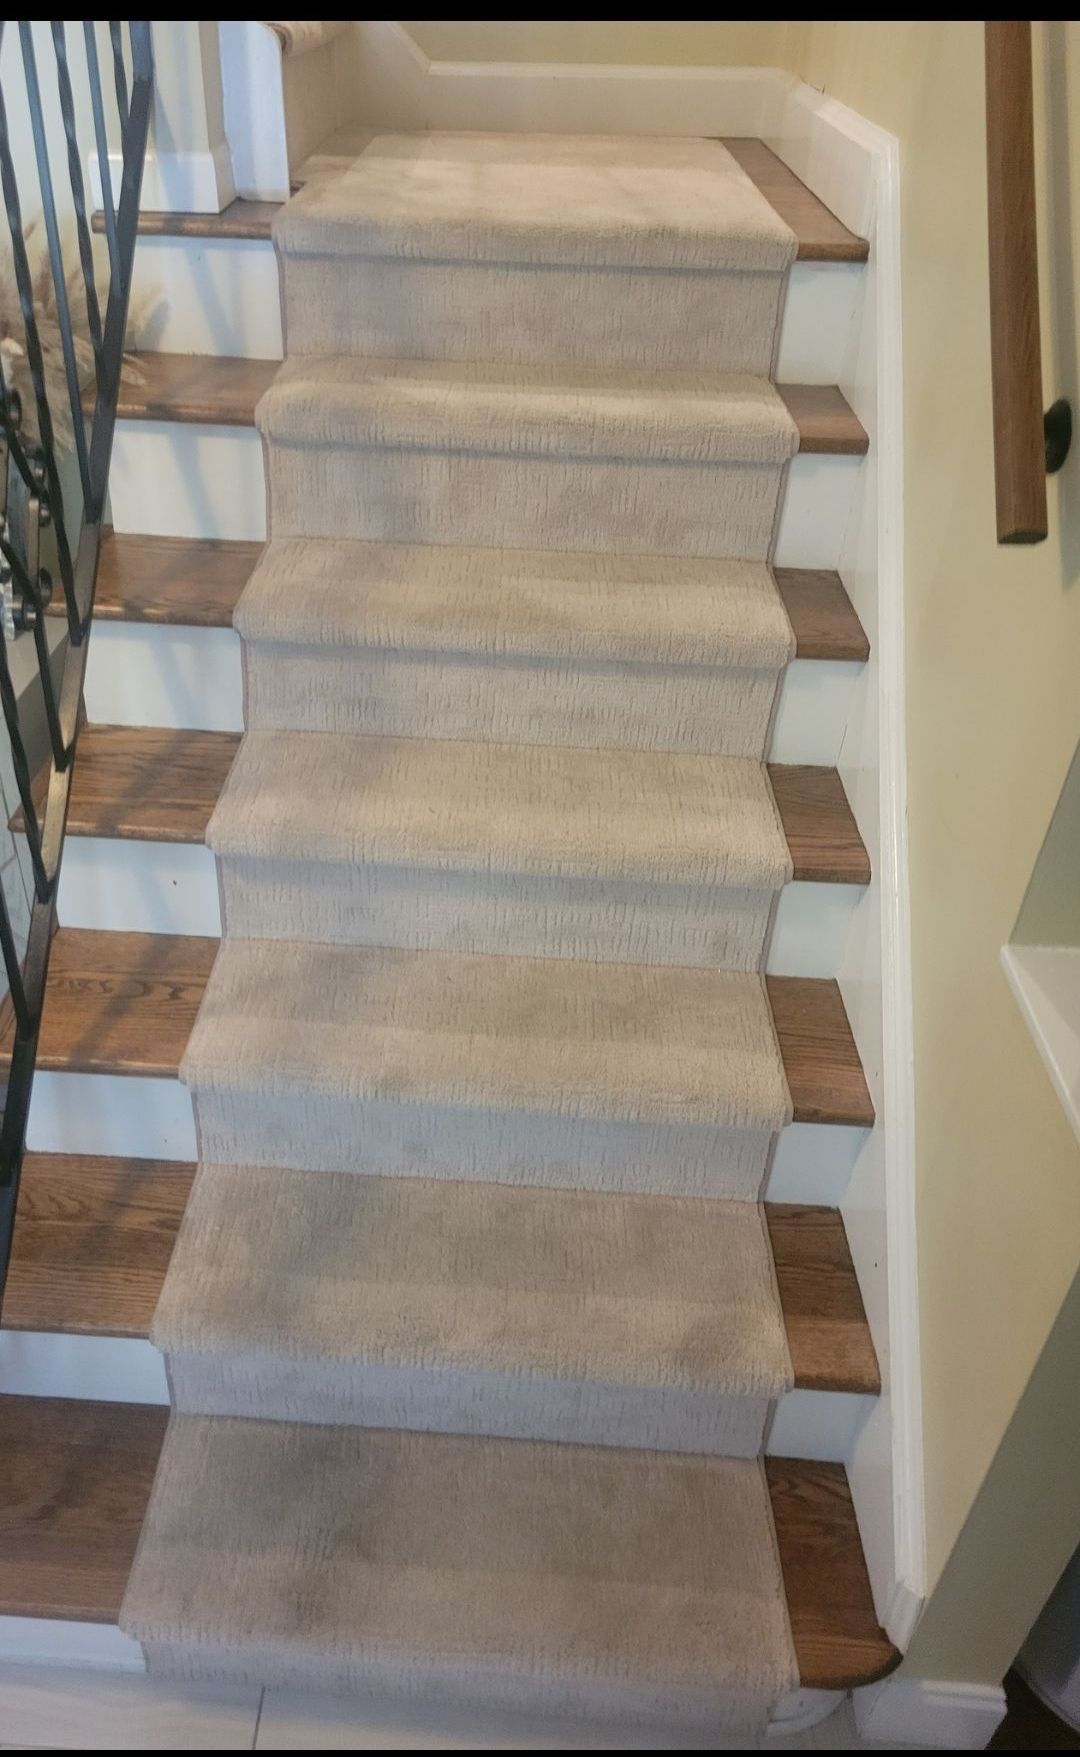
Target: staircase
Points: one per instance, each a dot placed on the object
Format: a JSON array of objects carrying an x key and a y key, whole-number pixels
[{"x": 482, "y": 832}]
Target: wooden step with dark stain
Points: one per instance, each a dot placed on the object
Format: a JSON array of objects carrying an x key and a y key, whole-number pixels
[
  {"x": 827, "y": 423},
  {"x": 193, "y": 582},
  {"x": 117, "y": 1003},
  {"x": 241, "y": 219},
  {"x": 821, "y": 614},
  {"x": 145, "y": 783},
  {"x": 822, "y": 237},
  {"x": 77, "y": 1479},
  {"x": 124, "y": 1003},
  {"x": 196, "y": 582},
  {"x": 824, "y": 1073},
  {"x": 158, "y": 784},
  {"x": 73, "y": 1495},
  {"x": 223, "y": 391},
  {"x": 213, "y": 390},
  {"x": 93, "y": 1238},
  {"x": 838, "y": 1643},
  {"x": 92, "y": 1241},
  {"x": 828, "y": 1335}
]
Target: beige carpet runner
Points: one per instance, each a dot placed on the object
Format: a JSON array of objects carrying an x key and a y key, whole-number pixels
[{"x": 472, "y": 1326}]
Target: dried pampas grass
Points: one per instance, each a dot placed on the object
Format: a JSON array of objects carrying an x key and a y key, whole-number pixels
[{"x": 14, "y": 363}]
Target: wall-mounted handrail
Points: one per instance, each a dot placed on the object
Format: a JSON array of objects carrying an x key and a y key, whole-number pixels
[{"x": 1027, "y": 443}]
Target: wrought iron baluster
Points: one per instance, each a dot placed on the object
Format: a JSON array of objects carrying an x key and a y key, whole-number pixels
[
  {"x": 56, "y": 254},
  {"x": 78, "y": 193},
  {"x": 35, "y": 361},
  {"x": 120, "y": 76},
  {"x": 102, "y": 140},
  {"x": 31, "y": 469}
]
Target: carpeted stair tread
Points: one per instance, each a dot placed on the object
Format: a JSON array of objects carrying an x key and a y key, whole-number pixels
[
  {"x": 518, "y": 1574},
  {"x": 571, "y": 200},
  {"x": 485, "y": 808},
  {"x": 474, "y": 1308},
  {"x": 595, "y": 1040},
  {"x": 537, "y": 411},
  {"x": 526, "y": 603}
]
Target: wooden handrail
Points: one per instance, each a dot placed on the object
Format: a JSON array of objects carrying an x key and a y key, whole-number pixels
[{"x": 1026, "y": 444}]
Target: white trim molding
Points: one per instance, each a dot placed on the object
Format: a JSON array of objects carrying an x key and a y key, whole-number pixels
[
  {"x": 919, "y": 1711},
  {"x": 186, "y": 182}
]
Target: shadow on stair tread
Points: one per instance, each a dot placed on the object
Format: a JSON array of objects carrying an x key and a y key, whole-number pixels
[
  {"x": 78, "y": 1477},
  {"x": 94, "y": 1236},
  {"x": 125, "y": 1003}
]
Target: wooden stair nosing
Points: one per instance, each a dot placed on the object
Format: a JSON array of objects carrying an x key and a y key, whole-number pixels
[
  {"x": 196, "y": 582},
  {"x": 125, "y": 1003},
  {"x": 240, "y": 219},
  {"x": 77, "y": 1479},
  {"x": 821, "y": 236},
  {"x": 223, "y": 390},
  {"x": 93, "y": 1237},
  {"x": 160, "y": 784}
]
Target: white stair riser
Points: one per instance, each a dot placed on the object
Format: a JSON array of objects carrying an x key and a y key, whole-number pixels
[
  {"x": 207, "y": 296},
  {"x": 156, "y": 674},
  {"x": 161, "y": 887},
  {"x": 805, "y": 1424},
  {"x": 180, "y": 479},
  {"x": 118, "y": 1115},
  {"x": 221, "y": 296},
  {"x": 185, "y": 479},
  {"x": 820, "y": 325}
]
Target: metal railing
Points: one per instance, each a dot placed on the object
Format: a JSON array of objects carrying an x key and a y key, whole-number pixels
[{"x": 51, "y": 518}]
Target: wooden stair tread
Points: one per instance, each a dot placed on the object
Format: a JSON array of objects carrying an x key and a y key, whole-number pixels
[
  {"x": 224, "y": 390},
  {"x": 196, "y": 581},
  {"x": 219, "y": 390},
  {"x": 117, "y": 1003},
  {"x": 77, "y": 1482},
  {"x": 822, "y": 237},
  {"x": 191, "y": 581},
  {"x": 73, "y": 1497},
  {"x": 821, "y": 614},
  {"x": 241, "y": 219},
  {"x": 826, "y": 421},
  {"x": 124, "y": 1003},
  {"x": 156, "y": 784},
  {"x": 838, "y": 1643},
  {"x": 828, "y": 1335},
  {"x": 824, "y": 1073},
  {"x": 92, "y": 1241},
  {"x": 93, "y": 1237},
  {"x": 821, "y": 831},
  {"x": 146, "y": 783}
]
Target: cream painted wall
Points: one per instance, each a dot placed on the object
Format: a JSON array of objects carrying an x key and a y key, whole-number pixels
[
  {"x": 993, "y": 721},
  {"x": 655, "y": 42},
  {"x": 993, "y": 680}
]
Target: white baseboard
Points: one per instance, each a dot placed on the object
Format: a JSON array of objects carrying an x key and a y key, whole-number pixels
[
  {"x": 918, "y": 1711},
  {"x": 190, "y": 182},
  {"x": 80, "y": 1706},
  {"x": 52, "y": 1642}
]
